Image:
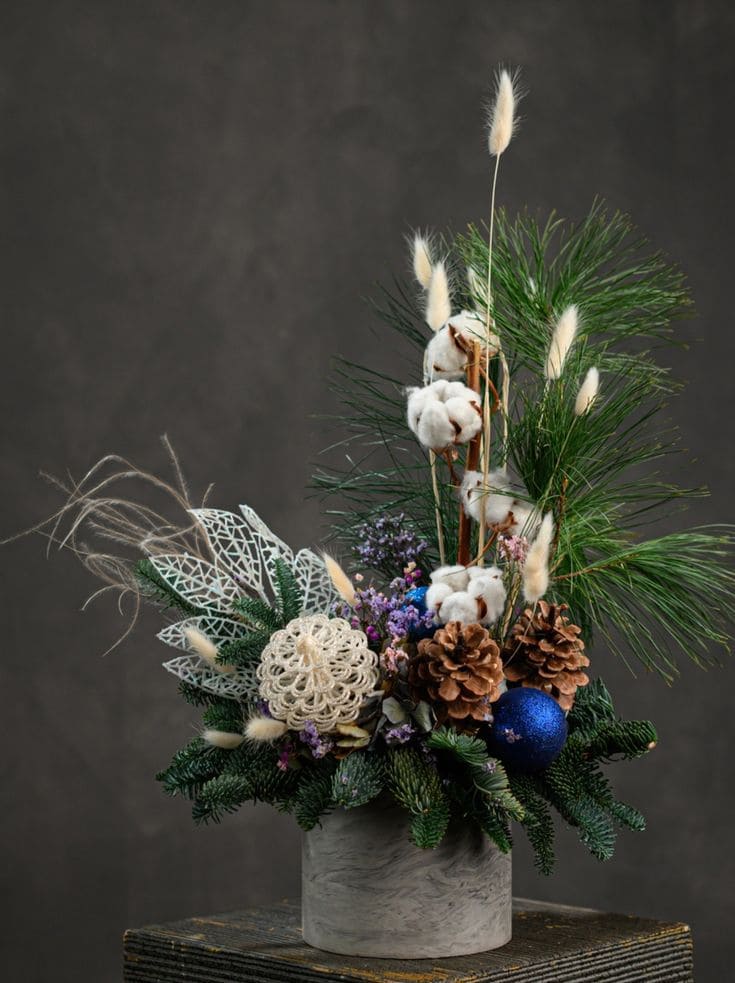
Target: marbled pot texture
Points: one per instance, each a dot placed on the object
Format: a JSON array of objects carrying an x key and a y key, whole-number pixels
[{"x": 367, "y": 891}]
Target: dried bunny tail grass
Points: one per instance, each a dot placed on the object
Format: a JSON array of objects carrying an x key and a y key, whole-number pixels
[
  {"x": 478, "y": 290},
  {"x": 536, "y": 567},
  {"x": 565, "y": 331},
  {"x": 341, "y": 582},
  {"x": 438, "y": 304},
  {"x": 588, "y": 392},
  {"x": 502, "y": 115},
  {"x": 93, "y": 514},
  {"x": 206, "y": 649},
  {"x": 264, "y": 729},
  {"x": 422, "y": 264},
  {"x": 223, "y": 739}
]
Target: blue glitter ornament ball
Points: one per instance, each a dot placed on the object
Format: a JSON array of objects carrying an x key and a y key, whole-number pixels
[
  {"x": 417, "y": 598},
  {"x": 529, "y": 729}
]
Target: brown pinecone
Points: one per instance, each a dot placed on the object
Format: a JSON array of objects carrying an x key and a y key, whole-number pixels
[
  {"x": 545, "y": 651},
  {"x": 458, "y": 671}
]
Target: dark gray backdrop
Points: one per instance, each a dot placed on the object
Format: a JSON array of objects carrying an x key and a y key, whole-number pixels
[{"x": 196, "y": 197}]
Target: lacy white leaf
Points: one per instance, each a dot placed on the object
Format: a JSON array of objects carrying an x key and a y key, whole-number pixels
[
  {"x": 197, "y": 581},
  {"x": 217, "y": 630},
  {"x": 239, "y": 685},
  {"x": 314, "y": 583},
  {"x": 244, "y": 548}
]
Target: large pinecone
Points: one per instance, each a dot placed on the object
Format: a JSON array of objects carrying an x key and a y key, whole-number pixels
[
  {"x": 458, "y": 671},
  {"x": 545, "y": 651}
]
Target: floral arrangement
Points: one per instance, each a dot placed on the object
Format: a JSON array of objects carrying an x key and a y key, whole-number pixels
[{"x": 488, "y": 513}]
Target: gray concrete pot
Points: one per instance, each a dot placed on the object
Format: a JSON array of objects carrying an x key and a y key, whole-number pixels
[{"x": 367, "y": 891}]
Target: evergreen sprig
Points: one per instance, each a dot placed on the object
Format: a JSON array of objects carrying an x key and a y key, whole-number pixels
[
  {"x": 416, "y": 785},
  {"x": 359, "y": 779}
]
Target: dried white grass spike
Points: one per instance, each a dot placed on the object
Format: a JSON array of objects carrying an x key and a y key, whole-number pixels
[
  {"x": 438, "y": 304},
  {"x": 588, "y": 392},
  {"x": 342, "y": 583},
  {"x": 223, "y": 739},
  {"x": 502, "y": 114},
  {"x": 205, "y": 649},
  {"x": 536, "y": 568},
  {"x": 562, "y": 340},
  {"x": 264, "y": 729},
  {"x": 422, "y": 265}
]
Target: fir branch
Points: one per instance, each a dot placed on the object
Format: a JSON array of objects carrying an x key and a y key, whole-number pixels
[
  {"x": 157, "y": 589},
  {"x": 290, "y": 601},
  {"x": 538, "y": 822},
  {"x": 360, "y": 778},
  {"x": 313, "y": 797},
  {"x": 416, "y": 786},
  {"x": 191, "y": 768}
]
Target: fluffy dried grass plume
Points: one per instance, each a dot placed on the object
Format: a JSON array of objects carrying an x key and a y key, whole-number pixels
[
  {"x": 264, "y": 729},
  {"x": 438, "y": 304},
  {"x": 565, "y": 331},
  {"x": 205, "y": 649},
  {"x": 342, "y": 583},
  {"x": 422, "y": 265},
  {"x": 502, "y": 118},
  {"x": 536, "y": 567},
  {"x": 588, "y": 392},
  {"x": 223, "y": 739}
]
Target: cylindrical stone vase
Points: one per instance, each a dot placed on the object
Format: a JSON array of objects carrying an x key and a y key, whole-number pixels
[{"x": 368, "y": 891}]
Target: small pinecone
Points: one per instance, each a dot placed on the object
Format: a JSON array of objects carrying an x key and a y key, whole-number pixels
[
  {"x": 544, "y": 651},
  {"x": 459, "y": 672}
]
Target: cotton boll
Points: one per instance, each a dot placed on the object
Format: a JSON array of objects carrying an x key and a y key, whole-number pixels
[
  {"x": 444, "y": 358},
  {"x": 459, "y": 606},
  {"x": 457, "y": 577},
  {"x": 418, "y": 399},
  {"x": 486, "y": 584},
  {"x": 435, "y": 595},
  {"x": 473, "y": 328},
  {"x": 465, "y": 416},
  {"x": 435, "y": 429},
  {"x": 497, "y": 507},
  {"x": 526, "y": 519},
  {"x": 443, "y": 413},
  {"x": 470, "y": 493}
]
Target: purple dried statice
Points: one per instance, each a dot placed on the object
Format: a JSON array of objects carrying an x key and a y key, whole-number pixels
[
  {"x": 318, "y": 745},
  {"x": 386, "y": 544},
  {"x": 400, "y": 734}
]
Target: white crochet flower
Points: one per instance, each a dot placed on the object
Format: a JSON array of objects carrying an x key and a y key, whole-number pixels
[
  {"x": 447, "y": 352},
  {"x": 443, "y": 414},
  {"x": 317, "y": 669}
]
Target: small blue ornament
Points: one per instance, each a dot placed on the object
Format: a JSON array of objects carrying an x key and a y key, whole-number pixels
[
  {"x": 529, "y": 729},
  {"x": 417, "y": 598}
]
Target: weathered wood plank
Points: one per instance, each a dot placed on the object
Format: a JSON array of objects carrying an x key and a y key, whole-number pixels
[{"x": 551, "y": 944}]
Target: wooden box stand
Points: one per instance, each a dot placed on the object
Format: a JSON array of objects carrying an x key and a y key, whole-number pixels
[{"x": 551, "y": 944}]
